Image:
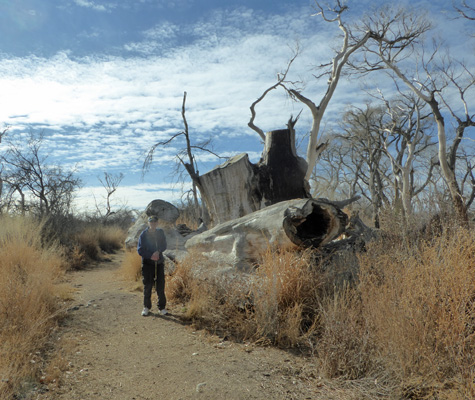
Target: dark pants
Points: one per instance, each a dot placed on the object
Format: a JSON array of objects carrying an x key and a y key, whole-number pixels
[{"x": 149, "y": 273}]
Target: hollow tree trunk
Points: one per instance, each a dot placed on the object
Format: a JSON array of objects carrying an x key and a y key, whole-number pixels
[{"x": 240, "y": 242}]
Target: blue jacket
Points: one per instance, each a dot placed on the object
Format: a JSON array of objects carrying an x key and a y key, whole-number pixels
[{"x": 149, "y": 242}]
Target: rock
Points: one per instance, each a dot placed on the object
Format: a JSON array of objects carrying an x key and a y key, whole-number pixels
[
  {"x": 176, "y": 236},
  {"x": 200, "y": 387}
]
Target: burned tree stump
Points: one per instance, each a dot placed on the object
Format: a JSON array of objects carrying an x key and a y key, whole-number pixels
[
  {"x": 280, "y": 172},
  {"x": 238, "y": 187}
]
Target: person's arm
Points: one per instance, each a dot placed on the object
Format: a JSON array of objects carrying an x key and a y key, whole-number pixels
[
  {"x": 142, "y": 247},
  {"x": 163, "y": 241}
]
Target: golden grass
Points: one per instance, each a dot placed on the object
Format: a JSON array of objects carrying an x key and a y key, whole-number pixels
[
  {"x": 29, "y": 299},
  {"x": 110, "y": 238},
  {"x": 91, "y": 242},
  {"x": 272, "y": 307},
  {"x": 404, "y": 327},
  {"x": 284, "y": 295},
  {"x": 131, "y": 267},
  {"x": 419, "y": 304}
]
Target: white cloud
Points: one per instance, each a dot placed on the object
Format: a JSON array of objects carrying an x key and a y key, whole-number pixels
[
  {"x": 131, "y": 196},
  {"x": 93, "y": 5}
]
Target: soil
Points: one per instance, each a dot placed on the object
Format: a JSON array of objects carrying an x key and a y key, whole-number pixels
[{"x": 119, "y": 354}]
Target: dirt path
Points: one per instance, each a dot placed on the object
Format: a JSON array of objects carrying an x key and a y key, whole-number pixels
[{"x": 121, "y": 355}]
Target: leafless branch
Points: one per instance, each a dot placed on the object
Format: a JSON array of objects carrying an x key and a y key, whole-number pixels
[{"x": 280, "y": 79}]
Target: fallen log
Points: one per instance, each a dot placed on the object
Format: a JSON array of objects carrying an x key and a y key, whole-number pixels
[{"x": 239, "y": 243}]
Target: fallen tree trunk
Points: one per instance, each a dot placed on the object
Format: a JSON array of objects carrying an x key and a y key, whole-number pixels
[{"x": 240, "y": 243}]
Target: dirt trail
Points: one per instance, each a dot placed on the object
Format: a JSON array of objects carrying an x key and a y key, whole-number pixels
[{"x": 121, "y": 355}]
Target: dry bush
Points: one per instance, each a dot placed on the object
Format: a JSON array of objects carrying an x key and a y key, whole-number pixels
[
  {"x": 110, "y": 238},
  {"x": 92, "y": 241},
  {"x": 181, "y": 283},
  {"x": 87, "y": 247},
  {"x": 131, "y": 267},
  {"x": 285, "y": 296},
  {"x": 418, "y": 303},
  {"x": 276, "y": 304},
  {"x": 28, "y": 299},
  {"x": 211, "y": 302},
  {"x": 344, "y": 347}
]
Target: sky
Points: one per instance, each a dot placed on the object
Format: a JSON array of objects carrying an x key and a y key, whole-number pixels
[{"x": 103, "y": 80}]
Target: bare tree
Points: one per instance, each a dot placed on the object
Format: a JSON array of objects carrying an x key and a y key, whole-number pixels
[
  {"x": 465, "y": 10},
  {"x": 332, "y": 71},
  {"x": 2, "y": 134},
  {"x": 281, "y": 77},
  {"x": 397, "y": 48},
  {"x": 186, "y": 156},
  {"x": 405, "y": 138},
  {"x": 365, "y": 144},
  {"x": 110, "y": 182},
  {"x": 28, "y": 174}
]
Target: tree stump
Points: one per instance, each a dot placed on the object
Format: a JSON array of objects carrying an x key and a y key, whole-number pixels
[{"x": 238, "y": 187}]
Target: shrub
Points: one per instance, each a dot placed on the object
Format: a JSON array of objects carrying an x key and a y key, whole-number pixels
[
  {"x": 110, "y": 238},
  {"x": 275, "y": 306},
  {"x": 284, "y": 296},
  {"x": 89, "y": 243},
  {"x": 28, "y": 299},
  {"x": 131, "y": 266},
  {"x": 419, "y": 303}
]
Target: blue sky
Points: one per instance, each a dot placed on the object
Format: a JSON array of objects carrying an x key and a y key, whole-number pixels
[{"x": 104, "y": 80}]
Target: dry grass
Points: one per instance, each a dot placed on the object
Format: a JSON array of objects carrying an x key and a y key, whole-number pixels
[
  {"x": 275, "y": 306},
  {"x": 418, "y": 304},
  {"x": 29, "y": 298},
  {"x": 284, "y": 295},
  {"x": 403, "y": 326},
  {"x": 110, "y": 238},
  {"x": 131, "y": 267},
  {"x": 91, "y": 242}
]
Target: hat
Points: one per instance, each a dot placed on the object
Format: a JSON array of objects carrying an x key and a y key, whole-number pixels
[{"x": 153, "y": 218}]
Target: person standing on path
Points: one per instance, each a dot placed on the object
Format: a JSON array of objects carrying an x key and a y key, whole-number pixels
[{"x": 152, "y": 243}]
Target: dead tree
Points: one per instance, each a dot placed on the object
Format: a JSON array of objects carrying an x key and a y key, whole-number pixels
[
  {"x": 395, "y": 41},
  {"x": 240, "y": 242},
  {"x": 186, "y": 156},
  {"x": 238, "y": 187}
]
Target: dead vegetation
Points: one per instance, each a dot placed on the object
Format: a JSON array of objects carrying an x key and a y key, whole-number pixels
[
  {"x": 401, "y": 327},
  {"x": 32, "y": 296}
]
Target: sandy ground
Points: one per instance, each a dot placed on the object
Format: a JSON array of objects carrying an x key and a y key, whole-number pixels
[{"x": 119, "y": 354}]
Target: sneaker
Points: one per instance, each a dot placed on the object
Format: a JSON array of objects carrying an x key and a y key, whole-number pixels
[
  {"x": 164, "y": 312},
  {"x": 145, "y": 311}
]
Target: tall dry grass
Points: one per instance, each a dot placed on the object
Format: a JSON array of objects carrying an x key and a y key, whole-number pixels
[
  {"x": 418, "y": 302},
  {"x": 402, "y": 326},
  {"x": 90, "y": 243},
  {"x": 131, "y": 267},
  {"x": 275, "y": 305},
  {"x": 29, "y": 299}
]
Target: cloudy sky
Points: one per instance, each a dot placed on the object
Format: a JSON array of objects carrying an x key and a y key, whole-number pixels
[{"x": 104, "y": 79}]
